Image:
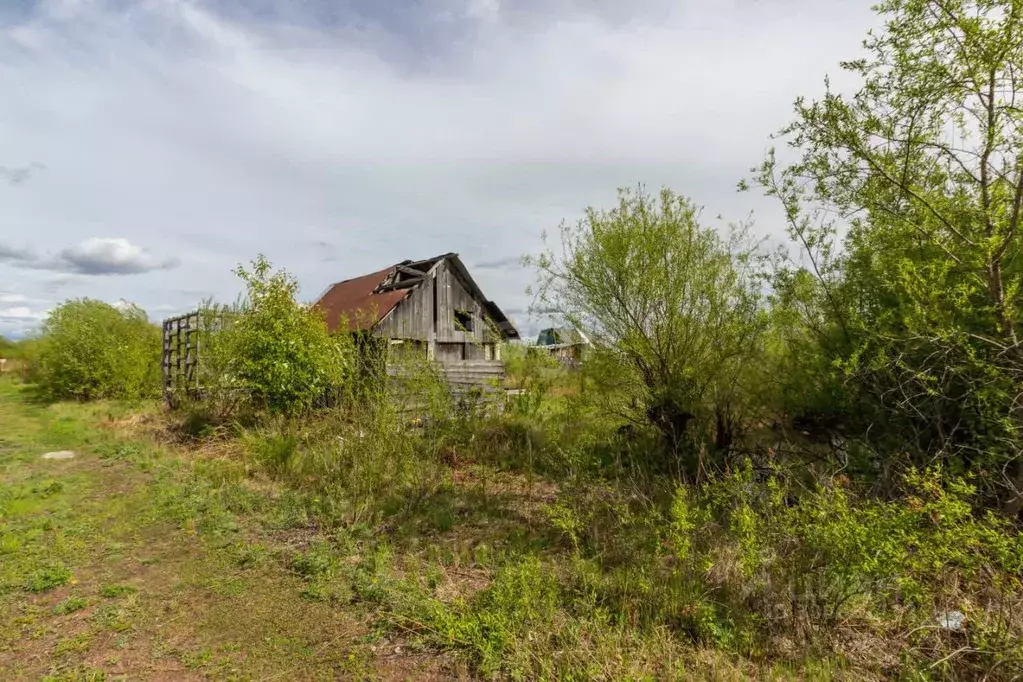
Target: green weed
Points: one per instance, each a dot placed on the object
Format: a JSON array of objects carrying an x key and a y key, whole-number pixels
[
  {"x": 120, "y": 451},
  {"x": 78, "y": 674},
  {"x": 70, "y": 605},
  {"x": 48, "y": 577},
  {"x": 115, "y": 591},
  {"x": 114, "y": 617},
  {"x": 76, "y": 644}
]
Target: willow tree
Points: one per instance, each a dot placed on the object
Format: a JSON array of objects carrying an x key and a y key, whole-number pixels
[
  {"x": 922, "y": 168},
  {"x": 671, "y": 306}
]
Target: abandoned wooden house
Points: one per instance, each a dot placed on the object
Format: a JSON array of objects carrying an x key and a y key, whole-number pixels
[{"x": 430, "y": 306}]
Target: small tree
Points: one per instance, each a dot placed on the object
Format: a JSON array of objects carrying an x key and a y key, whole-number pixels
[
  {"x": 90, "y": 349},
  {"x": 672, "y": 307},
  {"x": 275, "y": 351},
  {"x": 923, "y": 168}
]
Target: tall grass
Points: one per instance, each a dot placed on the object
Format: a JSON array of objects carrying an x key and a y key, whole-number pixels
[
  {"x": 556, "y": 539},
  {"x": 621, "y": 573}
]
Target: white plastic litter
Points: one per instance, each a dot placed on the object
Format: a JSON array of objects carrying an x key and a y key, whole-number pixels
[
  {"x": 59, "y": 454},
  {"x": 951, "y": 620}
]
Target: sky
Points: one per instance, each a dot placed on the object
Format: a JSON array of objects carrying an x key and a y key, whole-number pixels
[{"x": 147, "y": 148}]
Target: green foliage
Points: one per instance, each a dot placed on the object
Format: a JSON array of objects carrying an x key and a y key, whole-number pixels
[
  {"x": 522, "y": 599},
  {"x": 683, "y": 517},
  {"x": 70, "y": 605},
  {"x": 672, "y": 307},
  {"x": 271, "y": 352},
  {"x": 114, "y": 591},
  {"x": 315, "y": 562},
  {"x": 48, "y": 577},
  {"x": 90, "y": 349},
  {"x": 918, "y": 308},
  {"x": 365, "y": 467},
  {"x": 534, "y": 372},
  {"x": 782, "y": 562}
]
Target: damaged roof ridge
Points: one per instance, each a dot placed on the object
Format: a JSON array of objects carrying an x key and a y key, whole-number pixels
[{"x": 386, "y": 271}]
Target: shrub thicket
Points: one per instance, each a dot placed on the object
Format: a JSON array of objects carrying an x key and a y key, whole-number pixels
[
  {"x": 89, "y": 349},
  {"x": 747, "y": 565},
  {"x": 673, "y": 307},
  {"x": 270, "y": 352},
  {"x": 910, "y": 278},
  {"x": 617, "y": 574}
]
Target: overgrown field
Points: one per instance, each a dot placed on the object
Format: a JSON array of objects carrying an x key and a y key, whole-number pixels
[{"x": 155, "y": 555}]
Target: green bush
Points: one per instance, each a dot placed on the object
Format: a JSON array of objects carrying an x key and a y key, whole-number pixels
[
  {"x": 674, "y": 308},
  {"x": 70, "y": 605},
  {"x": 90, "y": 350},
  {"x": 270, "y": 352}
]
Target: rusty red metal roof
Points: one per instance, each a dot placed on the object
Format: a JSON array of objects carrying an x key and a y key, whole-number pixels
[{"x": 356, "y": 299}]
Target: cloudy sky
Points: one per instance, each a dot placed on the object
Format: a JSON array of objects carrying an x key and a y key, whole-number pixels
[{"x": 146, "y": 148}]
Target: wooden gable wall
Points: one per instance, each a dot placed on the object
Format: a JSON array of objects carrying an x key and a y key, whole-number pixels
[
  {"x": 413, "y": 318},
  {"x": 452, "y": 296}
]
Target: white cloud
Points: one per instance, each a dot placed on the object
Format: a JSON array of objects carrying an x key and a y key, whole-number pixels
[
  {"x": 484, "y": 10},
  {"x": 204, "y": 130},
  {"x": 12, "y": 298},
  {"x": 94, "y": 256},
  {"x": 110, "y": 256},
  {"x": 17, "y": 321},
  {"x": 20, "y": 313}
]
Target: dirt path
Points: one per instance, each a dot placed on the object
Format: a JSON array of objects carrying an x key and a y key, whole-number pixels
[{"x": 121, "y": 564}]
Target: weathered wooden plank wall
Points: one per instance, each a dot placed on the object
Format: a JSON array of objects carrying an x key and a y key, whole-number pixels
[
  {"x": 475, "y": 382},
  {"x": 413, "y": 318},
  {"x": 473, "y": 372},
  {"x": 431, "y": 306},
  {"x": 484, "y": 374}
]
